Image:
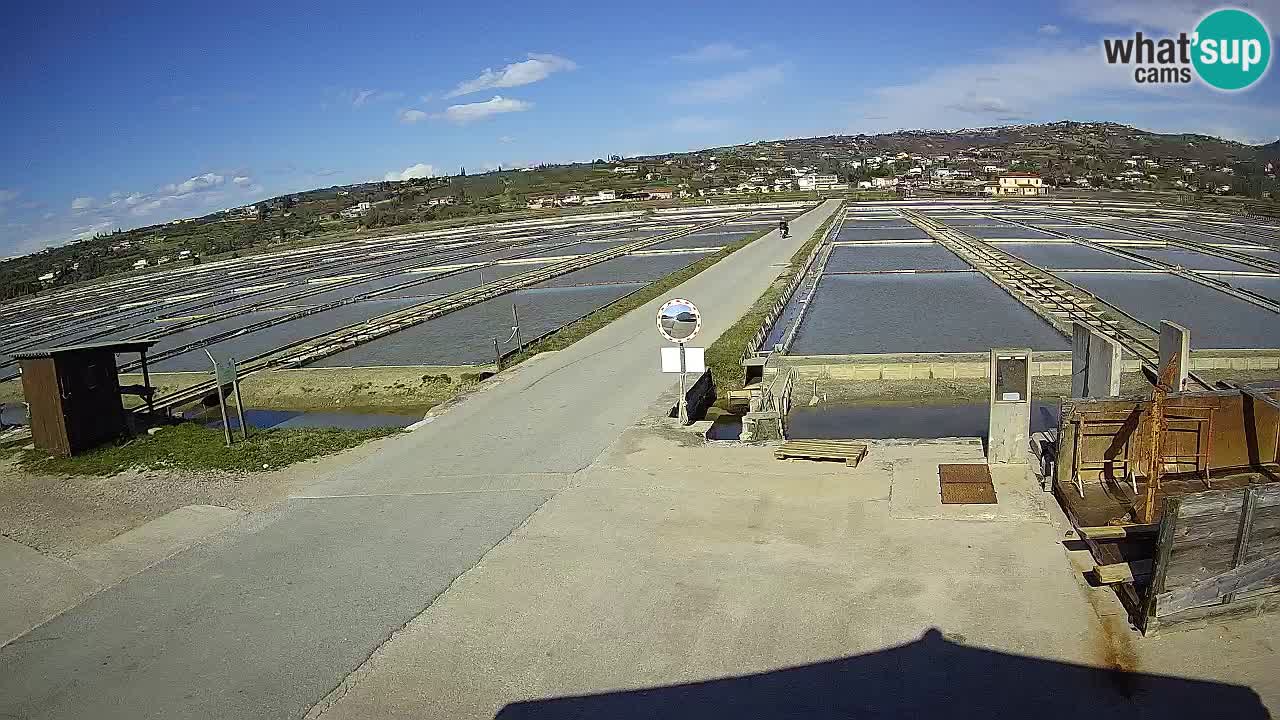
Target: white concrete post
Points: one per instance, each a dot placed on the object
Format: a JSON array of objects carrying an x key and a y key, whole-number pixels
[
  {"x": 1096, "y": 363},
  {"x": 1175, "y": 344},
  {"x": 1009, "y": 425}
]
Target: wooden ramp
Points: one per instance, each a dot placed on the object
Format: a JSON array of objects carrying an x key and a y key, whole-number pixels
[{"x": 848, "y": 451}]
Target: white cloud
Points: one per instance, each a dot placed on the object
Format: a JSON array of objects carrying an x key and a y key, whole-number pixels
[
  {"x": 1020, "y": 84},
  {"x": 420, "y": 170},
  {"x": 732, "y": 86},
  {"x": 470, "y": 112},
  {"x": 1166, "y": 15},
  {"x": 972, "y": 102},
  {"x": 1050, "y": 29},
  {"x": 85, "y": 232},
  {"x": 87, "y": 215},
  {"x": 410, "y": 116},
  {"x": 506, "y": 139},
  {"x": 714, "y": 52},
  {"x": 537, "y": 67},
  {"x": 360, "y": 98},
  {"x": 1042, "y": 84},
  {"x": 199, "y": 183}
]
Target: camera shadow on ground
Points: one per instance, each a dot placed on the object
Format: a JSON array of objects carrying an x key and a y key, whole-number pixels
[{"x": 931, "y": 677}]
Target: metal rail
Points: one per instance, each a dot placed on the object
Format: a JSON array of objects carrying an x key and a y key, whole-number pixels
[
  {"x": 1047, "y": 295},
  {"x": 309, "y": 350},
  {"x": 1226, "y": 253},
  {"x": 1197, "y": 276},
  {"x": 308, "y": 291}
]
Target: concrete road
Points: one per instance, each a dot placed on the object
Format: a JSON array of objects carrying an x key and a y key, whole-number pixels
[{"x": 268, "y": 619}]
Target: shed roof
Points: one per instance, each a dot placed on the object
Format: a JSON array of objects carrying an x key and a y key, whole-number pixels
[{"x": 116, "y": 346}]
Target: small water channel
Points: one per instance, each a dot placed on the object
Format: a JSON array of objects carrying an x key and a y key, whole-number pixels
[{"x": 879, "y": 420}]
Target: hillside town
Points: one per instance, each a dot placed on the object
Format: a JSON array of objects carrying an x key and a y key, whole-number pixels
[{"x": 1005, "y": 162}]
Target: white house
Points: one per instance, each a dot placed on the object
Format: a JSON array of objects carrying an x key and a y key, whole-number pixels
[
  {"x": 140, "y": 264},
  {"x": 1019, "y": 184},
  {"x": 817, "y": 182},
  {"x": 603, "y": 196},
  {"x": 357, "y": 210},
  {"x": 47, "y": 277}
]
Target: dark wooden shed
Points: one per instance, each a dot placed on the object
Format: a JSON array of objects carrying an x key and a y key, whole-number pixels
[{"x": 74, "y": 394}]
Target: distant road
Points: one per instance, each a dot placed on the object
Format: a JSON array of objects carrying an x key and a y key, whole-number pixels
[{"x": 264, "y": 622}]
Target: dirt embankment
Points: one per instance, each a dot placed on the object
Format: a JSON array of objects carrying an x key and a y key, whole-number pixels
[{"x": 404, "y": 389}]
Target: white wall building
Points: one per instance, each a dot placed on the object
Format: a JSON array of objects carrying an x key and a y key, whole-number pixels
[{"x": 1018, "y": 184}]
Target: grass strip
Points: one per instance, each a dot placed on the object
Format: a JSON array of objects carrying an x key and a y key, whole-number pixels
[
  {"x": 724, "y": 356},
  {"x": 584, "y": 326},
  {"x": 190, "y": 446}
]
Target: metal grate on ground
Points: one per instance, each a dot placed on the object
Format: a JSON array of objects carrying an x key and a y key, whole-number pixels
[{"x": 967, "y": 484}]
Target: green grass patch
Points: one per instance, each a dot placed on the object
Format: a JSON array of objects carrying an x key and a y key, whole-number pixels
[
  {"x": 189, "y": 446},
  {"x": 724, "y": 356},
  {"x": 582, "y": 327}
]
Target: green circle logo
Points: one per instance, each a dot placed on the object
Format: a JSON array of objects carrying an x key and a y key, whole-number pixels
[{"x": 1232, "y": 49}]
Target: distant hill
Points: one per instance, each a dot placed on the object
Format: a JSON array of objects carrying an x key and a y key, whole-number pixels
[{"x": 1062, "y": 151}]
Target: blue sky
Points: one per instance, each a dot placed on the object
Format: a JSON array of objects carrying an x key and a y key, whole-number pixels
[{"x": 120, "y": 119}]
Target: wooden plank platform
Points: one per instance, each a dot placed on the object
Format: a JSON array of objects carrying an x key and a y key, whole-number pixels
[
  {"x": 1116, "y": 532},
  {"x": 848, "y": 451},
  {"x": 1123, "y": 572}
]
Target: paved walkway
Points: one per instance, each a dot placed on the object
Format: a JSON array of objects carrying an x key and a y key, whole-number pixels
[{"x": 269, "y": 618}]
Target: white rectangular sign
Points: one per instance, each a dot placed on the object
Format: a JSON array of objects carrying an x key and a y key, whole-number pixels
[{"x": 694, "y": 360}]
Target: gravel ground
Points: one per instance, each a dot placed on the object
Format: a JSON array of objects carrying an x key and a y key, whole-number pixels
[{"x": 65, "y": 515}]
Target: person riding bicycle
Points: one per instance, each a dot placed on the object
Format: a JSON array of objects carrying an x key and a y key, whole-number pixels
[{"x": 782, "y": 227}]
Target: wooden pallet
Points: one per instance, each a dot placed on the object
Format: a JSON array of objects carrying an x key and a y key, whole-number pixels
[{"x": 851, "y": 453}]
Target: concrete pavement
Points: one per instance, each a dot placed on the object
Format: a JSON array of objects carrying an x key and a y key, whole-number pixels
[
  {"x": 676, "y": 580},
  {"x": 269, "y": 618}
]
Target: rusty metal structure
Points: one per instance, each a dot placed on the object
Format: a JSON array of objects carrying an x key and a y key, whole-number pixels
[
  {"x": 1177, "y": 496},
  {"x": 74, "y": 394}
]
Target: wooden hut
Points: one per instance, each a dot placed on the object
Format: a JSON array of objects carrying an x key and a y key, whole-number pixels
[{"x": 74, "y": 394}]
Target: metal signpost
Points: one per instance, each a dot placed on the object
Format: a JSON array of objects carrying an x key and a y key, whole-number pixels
[
  {"x": 515, "y": 335},
  {"x": 679, "y": 321},
  {"x": 225, "y": 374}
]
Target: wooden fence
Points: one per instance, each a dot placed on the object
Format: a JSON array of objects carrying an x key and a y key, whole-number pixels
[{"x": 1217, "y": 555}]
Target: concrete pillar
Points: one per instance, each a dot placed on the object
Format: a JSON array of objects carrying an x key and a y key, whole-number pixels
[
  {"x": 1096, "y": 363},
  {"x": 1175, "y": 345},
  {"x": 1009, "y": 425}
]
